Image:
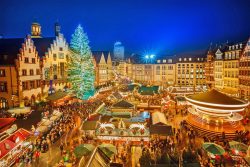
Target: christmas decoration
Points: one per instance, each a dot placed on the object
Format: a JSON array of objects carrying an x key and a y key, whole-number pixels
[{"x": 80, "y": 67}]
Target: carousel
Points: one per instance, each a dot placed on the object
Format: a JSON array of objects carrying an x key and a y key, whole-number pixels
[{"x": 214, "y": 113}]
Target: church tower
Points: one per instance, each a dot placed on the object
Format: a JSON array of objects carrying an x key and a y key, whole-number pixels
[
  {"x": 57, "y": 28},
  {"x": 35, "y": 30}
]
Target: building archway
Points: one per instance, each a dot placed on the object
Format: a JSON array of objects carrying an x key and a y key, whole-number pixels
[
  {"x": 39, "y": 97},
  {"x": 33, "y": 100},
  {"x": 26, "y": 101},
  {"x": 3, "y": 103}
]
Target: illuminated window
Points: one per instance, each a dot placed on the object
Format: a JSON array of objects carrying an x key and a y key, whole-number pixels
[
  {"x": 170, "y": 61},
  {"x": 26, "y": 60},
  {"x": 33, "y": 60},
  {"x": 2, "y": 73},
  {"x": 54, "y": 57},
  {"x": 61, "y": 56},
  {"x": 24, "y": 72},
  {"x": 3, "y": 86},
  {"x": 179, "y": 59},
  {"x": 32, "y": 84},
  {"x": 31, "y": 72}
]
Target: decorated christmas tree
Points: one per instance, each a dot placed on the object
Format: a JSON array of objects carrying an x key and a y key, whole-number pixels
[{"x": 81, "y": 73}]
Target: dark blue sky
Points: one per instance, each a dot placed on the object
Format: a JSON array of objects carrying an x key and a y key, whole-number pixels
[{"x": 159, "y": 26}]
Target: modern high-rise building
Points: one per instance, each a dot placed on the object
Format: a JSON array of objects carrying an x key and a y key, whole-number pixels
[{"x": 119, "y": 51}]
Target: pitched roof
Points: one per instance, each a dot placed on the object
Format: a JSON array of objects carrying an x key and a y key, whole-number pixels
[
  {"x": 43, "y": 44},
  {"x": 9, "y": 48},
  {"x": 161, "y": 130},
  {"x": 159, "y": 118},
  {"x": 215, "y": 97},
  {"x": 98, "y": 54},
  {"x": 117, "y": 95},
  {"x": 123, "y": 104},
  {"x": 89, "y": 125}
]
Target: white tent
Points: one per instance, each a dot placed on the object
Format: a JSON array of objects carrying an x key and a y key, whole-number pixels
[
  {"x": 42, "y": 129},
  {"x": 159, "y": 118}
]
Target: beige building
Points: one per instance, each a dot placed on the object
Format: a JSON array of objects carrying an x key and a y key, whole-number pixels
[
  {"x": 218, "y": 69},
  {"x": 54, "y": 64},
  {"x": 244, "y": 72},
  {"x": 158, "y": 72},
  {"x": 231, "y": 69},
  {"x": 190, "y": 71},
  {"x": 103, "y": 67},
  {"x": 20, "y": 66}
]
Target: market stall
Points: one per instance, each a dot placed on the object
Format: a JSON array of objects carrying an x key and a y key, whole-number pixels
[{"x": 13, "y": 146}]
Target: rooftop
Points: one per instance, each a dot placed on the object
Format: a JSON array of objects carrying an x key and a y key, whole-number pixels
[{"x": 215, "y": 97}]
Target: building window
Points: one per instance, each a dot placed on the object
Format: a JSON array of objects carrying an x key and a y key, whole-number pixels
[
  {"x": 2, "y": 73},
  {"x": 60, "y": 49},
  {"x": 38, "y": 83},
  {"x": 31, "y": 72},
  {"x": 29, "y": 50},
  {"x": 61, "y": 56},
  {"x": 170, "y": 61},
  {"x": 37, "y": 71},
  {"x": 3, "y": 103},
  {"x": 179, "y": 59},
  {"x": 164, "y": 61},
  {"x": 26, "y": 60},
  {"x": 158, "y": 61},
  {"x": 3, "y": 86},
  {"x": 33, "y": 60},
  {"x": 32, "y": 84},
  {"x": 24, "y": 72},
  {"x": 25, "y": 85},
  {"x": 62, "y": 69},
  {"x": 54, "y": 57}
]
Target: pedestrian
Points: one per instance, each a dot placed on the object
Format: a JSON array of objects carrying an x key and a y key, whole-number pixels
[
  {"x": 37, "y": 155},
  {"x": 61, "y": 148}
]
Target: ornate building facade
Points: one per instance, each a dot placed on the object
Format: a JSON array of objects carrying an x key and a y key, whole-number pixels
[
  {"x": 20, "y": 68},
  {"x": 244, "y": 72},
  {"x": 103, "y": 67}
]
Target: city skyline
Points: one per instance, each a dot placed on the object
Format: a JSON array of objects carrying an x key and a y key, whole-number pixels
[{"x": 193, "y": 27}]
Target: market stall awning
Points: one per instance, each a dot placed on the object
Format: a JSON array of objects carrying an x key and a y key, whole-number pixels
[
  {"x": 213, "y": 148},
  {"x": 161, "y": 130},
  {"x": 56, "y": 96},
  {"x": 123, "y": 104},
  {"x": 159, "y": 118},
  {"x": 12, "y": 141},
  {"x": 89, "y": 125},
  {"x": 20, "y": 110},
  {"x": 5, "y": 123}
]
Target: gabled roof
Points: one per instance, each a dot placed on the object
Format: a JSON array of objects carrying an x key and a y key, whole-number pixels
[
  {"x": 98, "y": 54},
  {"x": 123, "y": 104},
  {"x": 9, "y": 48},
  {"x": 117, "y": 95},
  {"x": 158, "y": 118},
  {"x": 43, "y": 44},
  {"x": 161, "y": 130}
]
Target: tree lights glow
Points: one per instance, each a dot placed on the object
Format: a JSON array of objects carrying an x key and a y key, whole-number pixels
[{"x": 80, "y": 67}]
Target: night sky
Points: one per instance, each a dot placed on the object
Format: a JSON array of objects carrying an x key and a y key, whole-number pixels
[{"x": 156, "y": 26}]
